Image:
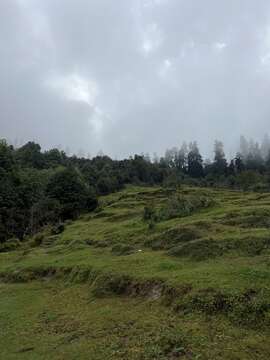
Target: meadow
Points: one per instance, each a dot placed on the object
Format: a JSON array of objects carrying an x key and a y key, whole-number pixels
[{"x": 152, "y": 273}]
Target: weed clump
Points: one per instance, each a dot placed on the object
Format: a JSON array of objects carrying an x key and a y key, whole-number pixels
[
  {"x": 177, "y": 206},
  {"x": 57, "y": 229},
  {"x": 110, "y": 284},
  {"x": 168, "y": 345},
  {"x": 198, "y": 250},
  {"x": 122, "y": 249},
  {"x": 181, "y": 206},
  {"x": 38, "y": 239},
  {"x": 173, "y": 237}
]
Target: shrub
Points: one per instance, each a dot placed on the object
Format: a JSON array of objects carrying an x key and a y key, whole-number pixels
[
  {"x": 122, "y": 249},
  {"x": 10, "y": 245},
  {"x": 199, "y": 250},
  {"x": 38, "y": 239},
  {"x": 180, "y": 206},
  {"x": 57, "y": 229},
  {"x": 173, "y": 237},
  {"x": 149, "y": 213},
  {"x": 110, "y": 284}
]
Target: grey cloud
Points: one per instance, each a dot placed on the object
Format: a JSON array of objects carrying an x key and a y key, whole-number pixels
[{"x": 135, "y": 75}]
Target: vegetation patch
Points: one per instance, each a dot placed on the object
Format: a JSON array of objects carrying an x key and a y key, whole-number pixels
[
  {"x": 10, "y": 245},
  {"x": 210, "y": 248},
  {"x": 122, "y": 249},
  {"x": 199, "y": 250},
  {"x": 250, "y": 307},
  {"x": 179, "y": 205},
  {"x": 173, "y": 237}
]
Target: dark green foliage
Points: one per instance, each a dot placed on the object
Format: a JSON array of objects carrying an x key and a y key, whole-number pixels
[
  {"x": 40, "y": 188},
  {"x": 44, "y": 212},
  {"x": 149, "y": 212},
  {"x": 195, "y": 162},
  {"x": 54, "y": 157},
  {"x": 181, "y": 206},
  {"x": 10, "y": 245},
  {"x": 177, "y": 206},
  {"x": 30, "y": 156},
  {"x": 7, "y": 160},
  {"x": 110, "y": 284},
  {"x": 38, "y": 239},
  {"x": 57, "y": 229},
  {"x": 67, "y": 187}
]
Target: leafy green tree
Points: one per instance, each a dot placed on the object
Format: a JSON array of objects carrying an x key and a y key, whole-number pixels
[
  {"x": 181, "y": 158},
  {"x": 54, "y": 158},
  {"x": 68, "y": 187},
  {"x": 239, "y": 163},
  {"x": 29, "y": 155},
  {"x": 44, "y": 212},
  {"x": 7, "y": 161},
  {"x": 195, "y": 162}
]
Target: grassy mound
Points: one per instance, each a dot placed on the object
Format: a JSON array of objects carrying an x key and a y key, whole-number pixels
[{"x": 199, "y": 276}]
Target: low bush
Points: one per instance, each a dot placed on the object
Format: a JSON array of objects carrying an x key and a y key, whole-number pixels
[
  {"x": 177, "y": 206},
  {"x": 107, "y": 285},
  {"x": 10, "y": 245},
  {"x": 58, "y": 229},
  {"x": 38, "y": 239},
  {"x": 173, "y": 237},
  {"x": 198, "y": 250},
  {"x": 122, "y": 249}
]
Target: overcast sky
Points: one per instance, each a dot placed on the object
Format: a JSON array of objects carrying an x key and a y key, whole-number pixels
[{"x": 132, "y": 76}]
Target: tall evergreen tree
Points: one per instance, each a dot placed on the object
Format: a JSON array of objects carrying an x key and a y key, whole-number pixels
[
  {"x": 195, "y": 162},
  {"x": 220, "y": 162}
]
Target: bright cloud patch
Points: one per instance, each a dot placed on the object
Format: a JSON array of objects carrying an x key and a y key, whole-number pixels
[
  {"x": 165, "y": 67},
  {"x": 152, "y": 39},
  {"x": 75, "y": 88},
  {"x": 220, "y": 46}
]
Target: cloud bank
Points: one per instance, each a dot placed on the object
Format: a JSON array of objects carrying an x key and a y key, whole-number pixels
[{"x": 132, "y": 76}]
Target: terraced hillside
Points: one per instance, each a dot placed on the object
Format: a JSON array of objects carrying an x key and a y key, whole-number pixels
[{"x": 152, "y": 274}]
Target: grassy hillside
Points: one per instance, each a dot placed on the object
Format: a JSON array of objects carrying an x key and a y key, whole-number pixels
[{"x": 152, "y": 274}]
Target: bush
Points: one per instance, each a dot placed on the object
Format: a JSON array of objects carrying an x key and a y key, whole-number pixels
[
  {"x": 68, "y": 187},
  {"x": 122, "y": 249},
  {"x": 181, "y": 206},
  {"x": 149, "y": 213},
  {"x": 110, "y": 284},
  {"x": 198, "y": 250},
  {"x": 57, "y": 229},
  {"x": 38, "y": 239},
  {"x": 10, "y": 245},
  {"x": 173, "y": 237}
]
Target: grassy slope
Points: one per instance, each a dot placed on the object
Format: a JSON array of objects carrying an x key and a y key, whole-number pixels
[{"x": 65, "y": 321}]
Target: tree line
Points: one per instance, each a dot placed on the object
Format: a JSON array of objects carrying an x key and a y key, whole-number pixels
[{"x": 40, "y": 188}]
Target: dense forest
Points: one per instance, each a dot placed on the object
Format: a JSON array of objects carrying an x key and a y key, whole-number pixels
[{"x": 39, "y": 188}]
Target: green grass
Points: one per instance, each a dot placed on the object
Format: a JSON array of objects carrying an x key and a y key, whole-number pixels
[
  {"x": 219, "y": 257},
  {"x": 53, "y": 321}
]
